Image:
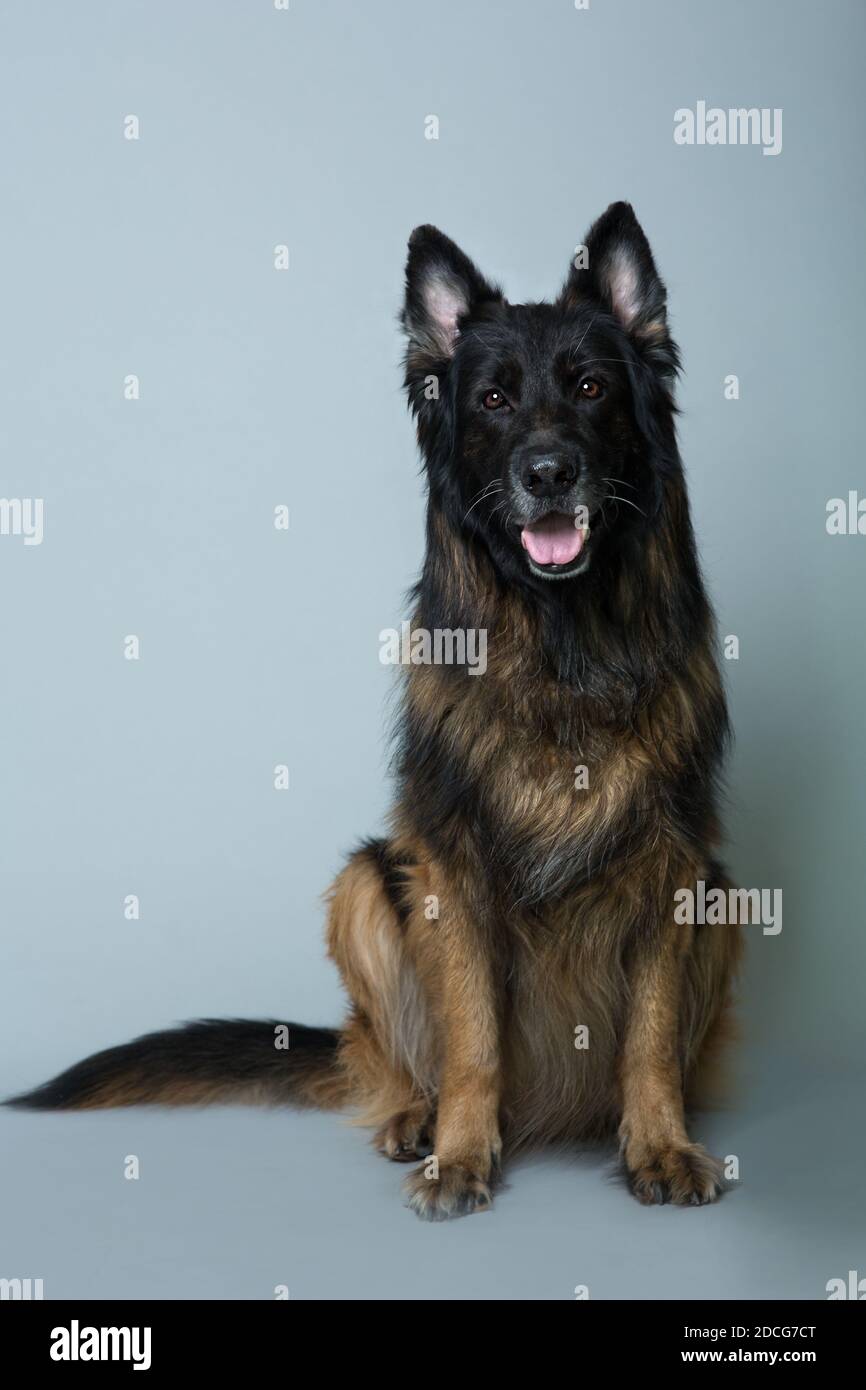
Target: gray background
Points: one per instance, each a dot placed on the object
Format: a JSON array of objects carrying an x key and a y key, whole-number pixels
[{"x": 259, "y": 647}]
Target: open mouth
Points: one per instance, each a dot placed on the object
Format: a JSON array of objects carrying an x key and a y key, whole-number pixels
[{"x": 554, "y": 544}]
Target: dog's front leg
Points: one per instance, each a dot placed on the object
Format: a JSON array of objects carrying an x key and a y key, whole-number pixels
[
  {"x": 458, "y": 1177},
  {"x": 662, "y": 1164}
]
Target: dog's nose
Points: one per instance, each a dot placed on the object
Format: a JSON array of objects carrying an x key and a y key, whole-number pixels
[{"x": 548, "y": 475}]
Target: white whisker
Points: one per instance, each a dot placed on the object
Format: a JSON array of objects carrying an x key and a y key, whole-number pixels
[
  {"x": 487, "y": 491},
  {"x": 613, "y": 497}
]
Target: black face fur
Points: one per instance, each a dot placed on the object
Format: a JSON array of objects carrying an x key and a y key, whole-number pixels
[
  {"x": 543, "y": 410},
  {"x": 563, "y": 411}
]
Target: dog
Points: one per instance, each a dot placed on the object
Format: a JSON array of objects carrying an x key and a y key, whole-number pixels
[{"x": 516, "y": 970}]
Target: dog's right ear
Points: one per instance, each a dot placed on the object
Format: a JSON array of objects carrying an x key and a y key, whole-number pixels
[{"x": 442, "y": 288}]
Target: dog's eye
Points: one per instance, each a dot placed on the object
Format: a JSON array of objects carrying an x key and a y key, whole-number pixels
[
  {"x": 590, "y": 389},
  {"x": 494, "y": 400}
]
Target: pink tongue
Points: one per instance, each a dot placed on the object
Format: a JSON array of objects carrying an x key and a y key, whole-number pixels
[{"x": 555, "y": 540}]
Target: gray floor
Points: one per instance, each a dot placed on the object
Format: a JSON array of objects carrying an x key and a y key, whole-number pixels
[{"x": 231, "y": 1203}]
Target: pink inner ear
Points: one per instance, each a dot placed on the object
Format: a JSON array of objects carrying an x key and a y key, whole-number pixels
[
  {"x": 445, "y": 301},
  {"x": 624, "y": 284}
]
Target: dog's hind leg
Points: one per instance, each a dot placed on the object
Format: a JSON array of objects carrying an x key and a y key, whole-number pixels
[{"x": 387, "y": 1043}]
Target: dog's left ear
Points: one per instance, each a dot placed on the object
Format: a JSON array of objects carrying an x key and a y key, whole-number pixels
[{"x": 616, "y": 267}]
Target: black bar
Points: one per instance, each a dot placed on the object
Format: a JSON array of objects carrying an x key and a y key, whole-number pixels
[{"x": 226, "y": 1337}]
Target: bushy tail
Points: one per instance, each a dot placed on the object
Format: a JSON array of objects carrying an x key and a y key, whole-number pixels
[{"x": 202, "y": 1062}]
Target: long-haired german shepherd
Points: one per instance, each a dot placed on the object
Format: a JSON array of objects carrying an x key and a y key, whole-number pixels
[{"x": 517, "y": 970}]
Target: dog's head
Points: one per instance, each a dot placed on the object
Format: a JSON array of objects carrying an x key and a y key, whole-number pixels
[{"x": 543, "y": 425}]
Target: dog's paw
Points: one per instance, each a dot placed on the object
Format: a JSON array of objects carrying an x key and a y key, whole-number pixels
[
  {"x": 454, "y": 1191},
  {"x": 685, "y": 1175},
  {"x": 406, "y": 1136}
]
